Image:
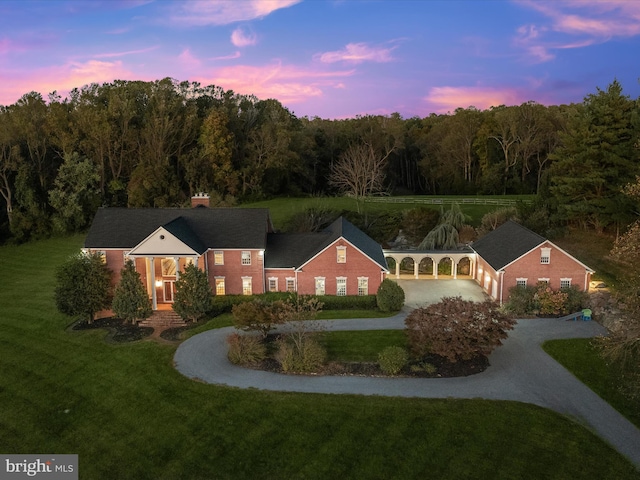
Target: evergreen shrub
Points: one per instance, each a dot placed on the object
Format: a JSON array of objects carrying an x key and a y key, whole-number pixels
[
  {"x": 392, "y": 360},
  {"x": 390, "y": 296}
]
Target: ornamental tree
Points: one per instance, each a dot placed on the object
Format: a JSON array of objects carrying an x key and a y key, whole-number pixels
[
  {"x": 457, "y": 329},
  {"x": 193, "y": 297},
  {"x": 83, "y": 286},
  {"x": 130, "y": 300}
]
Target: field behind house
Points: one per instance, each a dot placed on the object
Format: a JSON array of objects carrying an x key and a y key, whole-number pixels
[{"x": 129, "y": 415}]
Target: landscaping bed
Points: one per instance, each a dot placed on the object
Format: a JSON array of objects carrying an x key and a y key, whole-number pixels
[
  {"x": 119, "y": 331},
  {"x": 430, "y": 366}
]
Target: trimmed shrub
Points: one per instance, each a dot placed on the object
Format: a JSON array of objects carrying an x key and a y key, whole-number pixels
[
  {"x": 245, "y": 349},
  {"x": 522, "y": 300},
  {"x": 390, "y": 296},
  {"x": 302, "y": 355},
  {"x": 130, "y": 299},
  {"x": 361, "y": 302},
  {"x": 392, "y": 360}
]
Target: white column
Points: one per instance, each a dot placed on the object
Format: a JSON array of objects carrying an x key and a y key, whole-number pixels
[
  {"x": 177, "y": 260},
  {"x": 397, "y": 269},
  {"x": 415, "y": 269},
  {"x": 454, "y": 267},
  {"x": 154, "y": 299},
  {"x": 435, "y": 268}
]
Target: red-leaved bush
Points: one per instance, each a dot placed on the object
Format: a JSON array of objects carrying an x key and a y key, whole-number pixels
[{"x": 457, "y": 329}]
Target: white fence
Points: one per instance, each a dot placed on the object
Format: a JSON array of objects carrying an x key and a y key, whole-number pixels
[{"x": 505, "y": 202}]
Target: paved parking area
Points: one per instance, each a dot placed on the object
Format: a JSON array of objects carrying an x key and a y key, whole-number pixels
[{"x": 419, "y": 293}]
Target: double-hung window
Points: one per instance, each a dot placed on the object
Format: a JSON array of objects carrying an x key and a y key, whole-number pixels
[
  {"x": 363, "y": 286},
  {"x": 246, "y": 258},
  {"x": 341, "y": 286},
  {"x": 545, "y": 256},
  {"x": 341, "y": 254},
  {"x": 218, "y": 257}
]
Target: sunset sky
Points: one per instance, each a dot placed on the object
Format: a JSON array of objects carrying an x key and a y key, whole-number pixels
[{"x": 333, "y": 58}]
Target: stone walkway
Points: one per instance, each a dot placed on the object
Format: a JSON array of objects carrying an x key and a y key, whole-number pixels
[{"x": 520, "y": 370}]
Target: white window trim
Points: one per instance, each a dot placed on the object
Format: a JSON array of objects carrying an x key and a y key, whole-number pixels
[
  {"x": 339, "y": 281},
  {"x": 250, "y": 285},
  {"x": 293, "y": 281},
  {"x": 565, "y": 280},
  {"x": 215, "y": 257},
  {"x": 341, "y": 249},
  {"x": 522, "y": 280},
  {"x": 545, "y": 256},
  {"x": 246, "y": 254},
  {"x": 365, "y": 279},
  {"x": 224, "y": 285},
  {"x": 545, "y": 280},
  {"x": 269, "y": 283},
  {"x": 324, "y": 285}
]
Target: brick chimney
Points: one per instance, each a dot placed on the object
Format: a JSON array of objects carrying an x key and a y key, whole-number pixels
[{"x": 200, "y": 200}]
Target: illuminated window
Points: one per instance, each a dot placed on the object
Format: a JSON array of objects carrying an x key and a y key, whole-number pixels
[
  {"x": 521, "y": 282},
  {"x": 543, "y": 280},
  {"x": 545, "y": 256},
  {"x": 319, "y": 285},
  {"x": 363, "y": 286},
  {"x": 291, "y": 284},
  {"x": 341, "y": 286},
  {"x": 273, "y": 284},
  {"x": 168, "y": 267},
  {"x": 565, "y": 282},
  {"x": 218, "y": 257},
  {"x": 246, "y": 258},
  {"x": 220, "y": 290},
  {"x": 246, "y": 286},
  {"x": 342, "y": 254}
]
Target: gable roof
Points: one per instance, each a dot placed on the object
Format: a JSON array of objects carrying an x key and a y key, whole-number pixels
[
  {"x": 506, "y": 243},
  {"x": 199, "y": 228},
  {"x": 295, "y": 249}
]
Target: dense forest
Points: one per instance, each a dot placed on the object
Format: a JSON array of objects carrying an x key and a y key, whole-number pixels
[{"x": 154, "y": 144}]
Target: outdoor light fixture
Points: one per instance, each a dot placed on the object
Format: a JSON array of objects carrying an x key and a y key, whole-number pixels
[{"x": 158, "y": 283}]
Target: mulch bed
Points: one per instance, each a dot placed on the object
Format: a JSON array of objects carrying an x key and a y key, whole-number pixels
[
  {"x": 430, "y": 366},
  {"x": 119, "y": 331}
]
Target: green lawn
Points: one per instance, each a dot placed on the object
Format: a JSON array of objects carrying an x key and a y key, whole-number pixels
[
  {"x": 282, "y": 209},
  {"x": 129, "y": 415},
  {"x": 358, "y": 346},
  {"x": 581, "y": 358}
]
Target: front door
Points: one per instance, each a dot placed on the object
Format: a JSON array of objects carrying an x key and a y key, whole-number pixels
[{"x": 169, "y": 289}]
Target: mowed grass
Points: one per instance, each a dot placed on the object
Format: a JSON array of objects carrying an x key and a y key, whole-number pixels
[
  {"x": 129, "y": 414},
  {"x": 282, "y": 209},
  {"x": 360, "y": 346},
  {"x": 581, "y": 357}
]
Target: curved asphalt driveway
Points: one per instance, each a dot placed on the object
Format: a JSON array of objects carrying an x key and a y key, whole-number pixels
[{"x": 520, "y": 370}]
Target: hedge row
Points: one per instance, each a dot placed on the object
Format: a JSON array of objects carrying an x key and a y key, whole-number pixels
[{"x": 224, "y": 303}]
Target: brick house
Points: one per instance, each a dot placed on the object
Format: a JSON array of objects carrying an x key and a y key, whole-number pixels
[
  {"x": 513, "y": 255},
  {"x": 237, "y": 248}
]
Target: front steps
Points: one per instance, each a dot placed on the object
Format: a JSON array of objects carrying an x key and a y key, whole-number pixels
[{"x": 163, "y": 319}]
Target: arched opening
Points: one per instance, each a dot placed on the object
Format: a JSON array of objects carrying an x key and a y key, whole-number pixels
[
  {"x": 391, "y": 263},
  {"x": 445, "y": 267},
  {"x": 464, "y": 266},
  {"x": 425, "y": 267},
  {"x": 407, "y": 266}
]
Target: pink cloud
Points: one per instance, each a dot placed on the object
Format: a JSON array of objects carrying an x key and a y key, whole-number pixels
[
  {"x": 241, "y": 38},
  {"x": 228, "y": 57},
  {"x": 60, "y": 78},
  {"x": 592, "y": 20},
  {"x": 357, "y": 53},
  {"x": 289, "y": 84},
  {"x": 188, "y": 60},
  {"x": 223, "y": 12},
  {"x": 447, "y": 99},
  {"x": 127, "y": 52}
]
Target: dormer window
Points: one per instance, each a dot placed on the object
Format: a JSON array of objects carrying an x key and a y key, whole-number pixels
[
  {"x": 342, "y": 254},
  {"x": 545, "y": 256}
]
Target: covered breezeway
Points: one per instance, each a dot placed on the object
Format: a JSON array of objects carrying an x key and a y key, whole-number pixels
[{"x": 431, "y": 265}]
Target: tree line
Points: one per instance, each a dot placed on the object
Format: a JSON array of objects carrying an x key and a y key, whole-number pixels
[{"x": 155, "y": 144}]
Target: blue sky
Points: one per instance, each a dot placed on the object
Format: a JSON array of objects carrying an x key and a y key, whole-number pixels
[{"x": 332, "y": 59}]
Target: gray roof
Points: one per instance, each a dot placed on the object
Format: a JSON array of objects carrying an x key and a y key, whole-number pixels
[
  {"x": 506, "y": 243},
  {"x": 200, "y": 228},
  {"x": 295, "y": 249}
]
